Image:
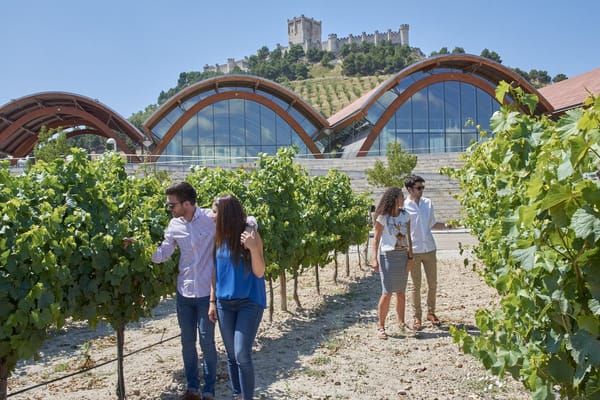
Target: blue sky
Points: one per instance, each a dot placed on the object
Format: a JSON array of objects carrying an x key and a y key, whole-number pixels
[{"x": 125, "y": 52}]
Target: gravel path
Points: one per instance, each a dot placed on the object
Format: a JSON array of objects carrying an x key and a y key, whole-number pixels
[{"x": 326, "y": 350}]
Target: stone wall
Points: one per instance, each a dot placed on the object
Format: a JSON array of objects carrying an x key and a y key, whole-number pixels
[
  {"x": 334, "y": 44},
  {"x": 229, "y": 67}
]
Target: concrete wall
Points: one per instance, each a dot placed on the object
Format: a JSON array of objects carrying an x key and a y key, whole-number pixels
[{"x": 440, "y": 188}]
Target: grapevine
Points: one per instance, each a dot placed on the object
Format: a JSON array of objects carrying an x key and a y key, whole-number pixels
[{"x": 531, "y": 195}]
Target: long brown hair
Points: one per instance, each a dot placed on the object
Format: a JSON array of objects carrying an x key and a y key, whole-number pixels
[
  {"x": 230, "y": 223},
  {"x": 387, "y": 204}
]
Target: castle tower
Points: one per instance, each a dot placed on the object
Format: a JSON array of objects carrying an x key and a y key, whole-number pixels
[
  {"x": 404, "y": 34},
  {"x": 305, "y": 32},
  {"x": 332, "y": 43}
]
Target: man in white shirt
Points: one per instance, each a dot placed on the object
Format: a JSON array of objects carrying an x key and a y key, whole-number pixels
[
  {"x": 422, "y": 221},
  {"x": 192, "y": 230}
]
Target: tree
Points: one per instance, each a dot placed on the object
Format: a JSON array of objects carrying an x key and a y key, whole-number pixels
[
  {"x": 492, "y": 55},
  {"x": 368, "y": 59},
  {"x": 524, "y": 74},
  {"x": 349, "y": 66},
  {"x": 185, "y": 79},
  {"x": 559, "y": 77},
  {"x": 313, "y": 55},
  {"x": 276, "y": 54},
  {"x": 295, "y": 53},
  {"x": 399, "y": 165},
  {"x": 89, "y": 142},
  {"x": 300, "y": 71},
  {"x": 327, "y": 58},
  {"x": 139, "y": 117},
  {"x": 51, "y": 144},
  {"x": 189, "y": 78},
  {"x": 263, "y": 53},
  {"x": 539, "y": 78}
]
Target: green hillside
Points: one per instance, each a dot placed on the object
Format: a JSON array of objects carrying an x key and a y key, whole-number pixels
[
  {"x": 318, "y": 79},
  {"x": 329, "y": 91}
]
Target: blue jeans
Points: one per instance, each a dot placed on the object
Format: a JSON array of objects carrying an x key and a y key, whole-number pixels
[
  {"x": 192, "y": 314},
  {"x": 238, "y": 321}
]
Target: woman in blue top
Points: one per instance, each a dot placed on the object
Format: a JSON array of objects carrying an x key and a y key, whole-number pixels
[
  {"x": 392, "y": 249},
  {"x": 239, "y": 289}
]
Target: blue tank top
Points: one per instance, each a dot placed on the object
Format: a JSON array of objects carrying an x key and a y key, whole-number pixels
[{"x": 234, "y": 281}]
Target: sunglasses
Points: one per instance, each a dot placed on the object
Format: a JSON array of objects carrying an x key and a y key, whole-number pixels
[{"x": 420, "y": 188}]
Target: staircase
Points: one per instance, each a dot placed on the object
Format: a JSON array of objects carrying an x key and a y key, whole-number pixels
[{"x": 439, "y": 188}]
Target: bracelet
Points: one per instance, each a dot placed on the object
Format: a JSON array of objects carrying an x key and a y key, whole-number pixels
[
  {"x": 212, "y": 301},
  {"x": 410, "y": 257}
]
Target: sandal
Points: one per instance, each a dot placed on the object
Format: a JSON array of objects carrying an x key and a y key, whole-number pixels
[
  {"x": 381, "y": 333},
  {"x": 417, "y": 325},
  {"x": 405, "y": 328},
  {"x": 434, "y": 320}
]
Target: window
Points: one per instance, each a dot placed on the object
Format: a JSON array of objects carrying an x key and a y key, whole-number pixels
[{"x": 232, "y": 131}]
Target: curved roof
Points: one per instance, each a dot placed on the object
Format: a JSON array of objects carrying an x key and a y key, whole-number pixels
[
  {"x": 479, "y": 71},
  {"x": 22, "y": 119},
  {"x": 222, "y": 86}
]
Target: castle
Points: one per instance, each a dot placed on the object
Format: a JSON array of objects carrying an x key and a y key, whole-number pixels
[{"x": 306, "y": 32}]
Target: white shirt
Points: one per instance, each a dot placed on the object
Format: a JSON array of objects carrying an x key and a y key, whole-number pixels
[
  {"x": 196, "y": 240},
  {"x": 393, "y": 228},
  {"x": 422, "y": 219}
]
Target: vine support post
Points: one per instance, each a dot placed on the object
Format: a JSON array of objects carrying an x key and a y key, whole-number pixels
[
  {"x": 335, "y": 267},
  {"x": 271, "y": 298},
  {"x": 317, "y": 283},
  {"x": 348, "y": 262},
  {"x": 283, "y": 291},
  {"x": 120, "y": 372}
]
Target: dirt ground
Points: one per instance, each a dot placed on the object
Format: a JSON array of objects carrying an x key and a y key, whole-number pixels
[{"x": 326, "y": 350}]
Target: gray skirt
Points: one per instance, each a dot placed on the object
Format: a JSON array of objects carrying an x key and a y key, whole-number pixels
[{"x": 392, "y": 270}]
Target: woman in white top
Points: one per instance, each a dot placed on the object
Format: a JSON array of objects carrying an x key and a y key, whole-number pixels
[{"x": 392, "y": 249}]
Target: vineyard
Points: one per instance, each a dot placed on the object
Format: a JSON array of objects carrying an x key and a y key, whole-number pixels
[
  {"x": 327, "y": 349},
  {"x": 64, "y": 224},
  {"x": 530, "y": 195},
  {"x": 330, "y": 92}
]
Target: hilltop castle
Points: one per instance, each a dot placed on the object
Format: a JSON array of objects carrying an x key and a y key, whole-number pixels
[{"x": 306, "y": 32}]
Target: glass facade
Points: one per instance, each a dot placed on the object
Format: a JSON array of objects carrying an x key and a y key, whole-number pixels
[
  {"x": 440, "y": 118},
  {"x": 230, "y": 131}
]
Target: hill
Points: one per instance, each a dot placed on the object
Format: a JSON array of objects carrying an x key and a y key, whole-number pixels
[{"x": 330, "y": 91}]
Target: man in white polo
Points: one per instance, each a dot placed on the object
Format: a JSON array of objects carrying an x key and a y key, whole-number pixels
[{"x": 422, "y": 221}]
